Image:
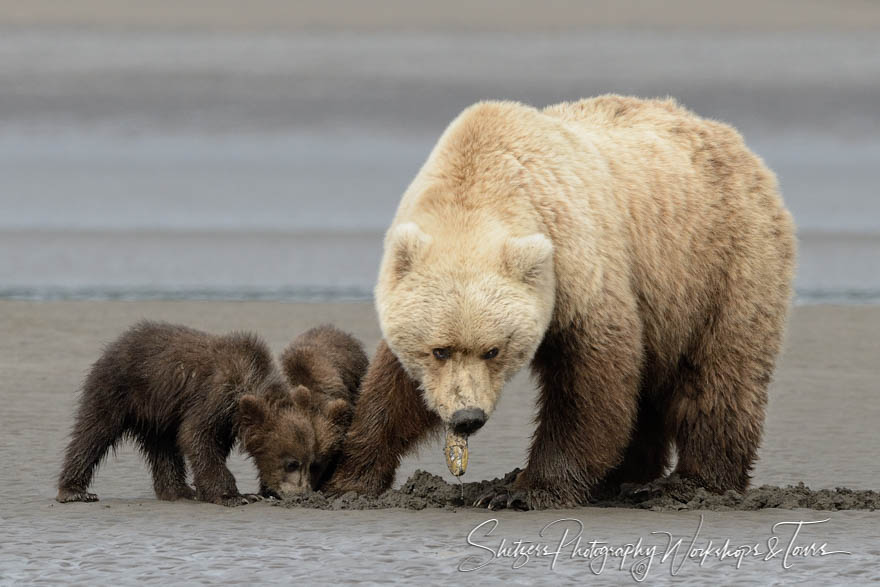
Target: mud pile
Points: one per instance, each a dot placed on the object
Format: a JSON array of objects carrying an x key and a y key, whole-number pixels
[
  {"x": 424, "y": 490},
  {"x": 673, "y": 493}
]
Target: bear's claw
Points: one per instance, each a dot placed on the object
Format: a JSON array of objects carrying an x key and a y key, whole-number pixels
[
  {"x": 502, "y": 498},
  {"x": 67, "y": 496},
  {"x": 255, "y": 497},
  {"x": 230, "y": 501}
]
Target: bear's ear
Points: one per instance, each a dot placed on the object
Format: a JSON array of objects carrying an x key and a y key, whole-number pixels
[
  {"x": 251, "y": 411},
  {"x": 302, "y": 397},
  {"x": 339, "y": 412},
  {"x": 528, "y": 257},
  {"x": 404, "y": 244}
]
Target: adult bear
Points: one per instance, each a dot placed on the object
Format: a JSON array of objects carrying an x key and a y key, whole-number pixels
[{"x": 639, "y": 256}]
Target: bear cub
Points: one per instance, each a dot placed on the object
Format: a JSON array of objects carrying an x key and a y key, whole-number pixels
[
  {"x": 324, "y": 366},
  {"x": 185, "y": 394}
]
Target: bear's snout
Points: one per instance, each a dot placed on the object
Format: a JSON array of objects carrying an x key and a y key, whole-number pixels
[{"x": 468, "y": 421}]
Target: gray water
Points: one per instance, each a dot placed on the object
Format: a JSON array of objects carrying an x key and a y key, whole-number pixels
[{"x": 145, "y": 164}]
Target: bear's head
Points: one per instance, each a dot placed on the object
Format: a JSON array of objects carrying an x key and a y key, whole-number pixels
[
  {"x": 463, "y": 318},
  {"x": 326, "y": 360},
  {"x": 294, "y": 437}
]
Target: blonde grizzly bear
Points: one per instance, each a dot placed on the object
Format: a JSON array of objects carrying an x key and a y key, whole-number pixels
[{"x": 639, "y": 257}]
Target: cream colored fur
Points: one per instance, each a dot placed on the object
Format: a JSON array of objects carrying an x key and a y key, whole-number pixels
[{"x": 523, "y": 219}]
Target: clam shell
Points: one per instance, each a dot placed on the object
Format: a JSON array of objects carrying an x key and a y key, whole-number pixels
[{"x": 456, "y": 451}]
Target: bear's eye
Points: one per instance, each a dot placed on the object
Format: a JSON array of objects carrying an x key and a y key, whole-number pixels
[
  {"x": 442, "y": 354},
  {"x": 491, "y": 353},
  {"x": 291, "y": 466}
]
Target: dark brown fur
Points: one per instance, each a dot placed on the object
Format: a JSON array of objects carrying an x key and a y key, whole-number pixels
[
  {"x": 326, "y": 365},
  {"x": 390, "y": 419},
  {"x": 297, "y": 447},
  {"x": 176, "y": 392},
  {"x": 326, "y": 360}
]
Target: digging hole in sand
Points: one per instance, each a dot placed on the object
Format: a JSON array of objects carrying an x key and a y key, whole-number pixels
[{"x": 425, "y": 490}]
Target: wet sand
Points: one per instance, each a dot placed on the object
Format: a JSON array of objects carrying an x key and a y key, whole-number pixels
[{"x": 821, "y": 430}]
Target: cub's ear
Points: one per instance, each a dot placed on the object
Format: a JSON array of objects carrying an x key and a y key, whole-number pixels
[
  {"x": 404, "y": 244},
  {"x": 251, "y": 411},
  {"x": 339, "y": 412},
  {"x": 302, "y": 397},
  {"x": 528, "y": 257}
]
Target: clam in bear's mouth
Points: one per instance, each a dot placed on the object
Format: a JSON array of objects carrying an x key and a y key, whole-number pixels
[{"x": 456, "y": 451}]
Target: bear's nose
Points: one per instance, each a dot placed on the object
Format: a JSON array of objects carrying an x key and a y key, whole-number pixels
[{"x": 468, "y": 421}]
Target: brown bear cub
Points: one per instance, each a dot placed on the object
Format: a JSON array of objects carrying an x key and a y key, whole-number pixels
[
  {"x": 328, "y": 361},
  {"x": 181, "y": 393},
  {"x": 325, "y": 366}
]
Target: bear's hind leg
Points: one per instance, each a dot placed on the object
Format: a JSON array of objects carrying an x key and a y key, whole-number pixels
[
  {"x": 716, "y": 412},
  {"x": 648, "y": 454},
  {"x": 96, "y": 430},
  {"x": 167, "y": 465}
]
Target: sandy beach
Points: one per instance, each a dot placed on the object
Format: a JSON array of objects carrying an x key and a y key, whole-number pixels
[{"x": 821, "y": 429}]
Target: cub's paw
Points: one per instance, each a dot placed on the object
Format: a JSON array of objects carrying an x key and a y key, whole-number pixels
[
  {"x": 68, "y": 495},
  {"x": 176, "y": 493},
  {"x": 230, "y": 501},
  {"x": 266, "y": 493},
  {"x": 186, "y": 492}
]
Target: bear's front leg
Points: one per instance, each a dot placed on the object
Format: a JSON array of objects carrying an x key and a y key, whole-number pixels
[
  {"x": 589, "y": 385},
  {"x": 207, "y": 449},
  {"x": 390, "y": 418}
]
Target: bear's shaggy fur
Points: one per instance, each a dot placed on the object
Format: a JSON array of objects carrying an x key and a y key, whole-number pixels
[
  {"x": 325, "y": 366},
  {"x": 295, "y": 444},
  {"x": 326, "y": 360},
  {"x": 178, "y": 393},
  {"x": 639, "y": 256}
]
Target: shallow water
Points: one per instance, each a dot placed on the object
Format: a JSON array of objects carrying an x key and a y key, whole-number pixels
[
  {"x": 820, "y": 429},
  {"x": 145, "y": 164}
]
